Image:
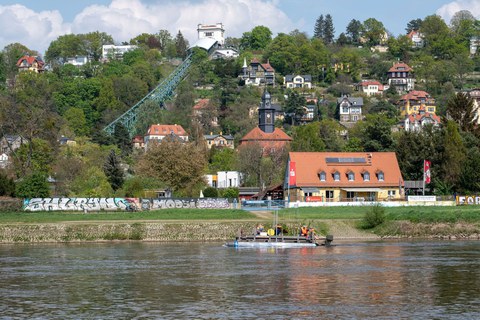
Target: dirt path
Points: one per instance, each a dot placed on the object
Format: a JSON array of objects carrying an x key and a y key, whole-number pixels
[{"x": 340, "y": 229}]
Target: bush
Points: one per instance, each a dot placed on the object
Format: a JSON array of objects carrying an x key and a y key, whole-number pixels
[
  {"x": 373, "y": 217},
  {"x": 210, "y": 192},
  {"x": 33, "y": 186},
  {"x": 230, "y": 193}
]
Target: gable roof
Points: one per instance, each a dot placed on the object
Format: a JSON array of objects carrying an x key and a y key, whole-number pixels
[
  {"x": 367, "y": 83},
  {"x": 166, "y": 129},
  {"x": 420, "y": 117},
  {"x": 401, "y": 66},
  {"x": 256, "y": 134},
  {"x": 267, "y": 67},
  {"x": 310, "y": 164},
  {"x": 30, "y": 60},
  {"x": 306, "y": 77},
  {"x": 415, "y": 95},
  {"x": 357, "y": 101},
  {"x": 201, "y": 104}
]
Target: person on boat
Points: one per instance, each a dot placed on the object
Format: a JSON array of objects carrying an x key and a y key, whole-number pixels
[
  {"x": 304, "y": 231},
  {"x": 260, "y": 229},
  {"x": 278, "y": 229}
]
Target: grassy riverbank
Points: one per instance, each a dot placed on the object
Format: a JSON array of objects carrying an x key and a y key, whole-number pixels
[{"x": 215, "y": 225}]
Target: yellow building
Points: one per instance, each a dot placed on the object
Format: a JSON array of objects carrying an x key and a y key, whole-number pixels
[
  {"x": 414, "y": 101},
  {"x": 343, "y": 176}
]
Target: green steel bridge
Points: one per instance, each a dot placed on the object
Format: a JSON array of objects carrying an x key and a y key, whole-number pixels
[{"x": 159, "y": 94}]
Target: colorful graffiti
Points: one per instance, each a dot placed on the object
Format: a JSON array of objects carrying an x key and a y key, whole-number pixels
[
  {"x": 80, "y": 204},
  {"x": 120, "y": 204},
  {"x": 192, "y": 203}
]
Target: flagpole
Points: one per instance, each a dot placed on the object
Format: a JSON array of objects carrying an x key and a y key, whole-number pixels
[
  {"x": 288, "y": 182},
  {"x": 423, "y": 177}
]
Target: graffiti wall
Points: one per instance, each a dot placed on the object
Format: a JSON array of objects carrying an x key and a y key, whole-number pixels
[
  {"x": 80, "y": 204},
  {"x": 193, "y": 203},
  {"x": 120, "y": 204}
]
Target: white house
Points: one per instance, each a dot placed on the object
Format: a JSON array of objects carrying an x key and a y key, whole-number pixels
[
  {"x": 77, "y": 61},
  {"x": 350, "y": 109},
  {"x": 213, "y": 31},
  {"x": 417, "y": 39},
  {"x": 415, "y": 122},
  {"x": 371, "y": 87},
  {"x": 224, "y": 179},
  {"x": 117, "y": 52},
  {"x": 3, "y": 160},
  {"x": 158, "y": 132},
  {"x": 298, "y": 81}
]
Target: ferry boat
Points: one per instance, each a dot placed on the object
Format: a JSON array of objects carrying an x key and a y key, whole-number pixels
[{"x": 272, "y": 240}]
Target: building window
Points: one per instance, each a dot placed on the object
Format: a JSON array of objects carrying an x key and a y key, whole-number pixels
[
  {"x": 392, "y": 193},
  {"x": 208, "y": 34},
  {"x": 322, "y": 176},
  {"x": 329, "y": 194},
  {"x": 350, "y": 194},
  {"x": 351, "y": 176},
  {"x": 380, "y": 176},
  {"x": 366, "y": 176},
  {"x": 336, "y": 176},
  {"x": 345, "y": 109}
]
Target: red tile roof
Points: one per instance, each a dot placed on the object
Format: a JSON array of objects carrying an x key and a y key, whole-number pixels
[
  {"x": 372, "y": 82},
  {"x": 201, "y": 104},
  {"x": 256, "y": 134},
  {"x": 165, "y": 129},
  {"x": 415, "y": 95},
  {"x": 310, "y": 164},
  {"x": 267, "y": 67},
  {"x": 419, "y": 117},
  {"x": 30, "y": 60},
  {"x": 400, "y": 67}
]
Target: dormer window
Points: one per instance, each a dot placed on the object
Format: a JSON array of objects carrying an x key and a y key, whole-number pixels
[
  {"x": 322, "y": 176},
  {"x": 380, "y": 176},
  {"x": 351, "y": 176},
  {"x": 336, "y": 176},
  {"x": 366, "y": 176}
]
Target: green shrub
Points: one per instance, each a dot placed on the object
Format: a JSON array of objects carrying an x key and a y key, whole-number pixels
[
  {"x": 210, "y": 192},
  {"x": 374, "y": 216},
  {"x": 230, "y": 193}
]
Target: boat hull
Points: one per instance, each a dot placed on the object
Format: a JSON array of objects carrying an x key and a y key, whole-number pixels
[{"x": 279, "y": 244}]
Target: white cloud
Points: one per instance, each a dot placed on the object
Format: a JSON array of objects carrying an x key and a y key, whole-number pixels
[
  {"x": 448, "y": 10},
  {"x": 125, "y": 19},
  {"x": 33, "y": 29}
]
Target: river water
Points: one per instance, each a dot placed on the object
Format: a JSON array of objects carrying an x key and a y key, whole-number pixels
[{"x": 352, "y": 280}]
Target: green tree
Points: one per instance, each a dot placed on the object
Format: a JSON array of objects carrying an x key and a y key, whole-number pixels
[
  {"x": 257, "y": 39},
  {"x": 454, "y": 155},
  {"x": 328, "y": 29},
  {"x": 354, "y": 31},
  {"x": 76, "y": 120},
  {"x": 400, "y": 47},
  {"x": 459, "y": 18},
  {"x": 122, "y": 139},
  {"x": 330, "y": 133},
  {"x": 414, "y": 25},
  {"x": 373, "y": 31},
  {"x": 65, "y": 46},
  {"x": 294, "y": 107},
  {"x": 164, "y": 38},
  {"x": 375, "y": 133},
  {"x": 181, "y": 45},
  {"x": 222, "y": 159},
  {"x": 171, "y": 163},
  {"x": 307, "y": 139},
  {"x": 460, "y": 108},
  {"x": 93, "y": 43},
  {"x": 113, "y": 170},
  {"x": 319, "y": 27},
  {"x": 92, "y": 183},
  {"x": 34, "y": 185},
  {"x": 7, "y": 185}
]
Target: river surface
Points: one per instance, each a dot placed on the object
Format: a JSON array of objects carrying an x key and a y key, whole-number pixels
[{"x": 352, "y": 280}]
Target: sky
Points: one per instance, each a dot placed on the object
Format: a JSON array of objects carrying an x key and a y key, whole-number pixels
[{"x": 36, "y": 23}]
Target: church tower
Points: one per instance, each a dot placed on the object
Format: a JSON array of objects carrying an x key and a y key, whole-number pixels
[{"x": 266, "y": 114}]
